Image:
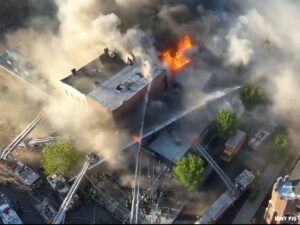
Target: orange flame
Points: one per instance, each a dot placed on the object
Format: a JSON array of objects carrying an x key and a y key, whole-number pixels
[
  {"x": 178, "y": 60},
  {"x": 136, "y": 138}
]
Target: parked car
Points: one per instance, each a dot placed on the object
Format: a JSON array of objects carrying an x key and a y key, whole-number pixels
[
  {"x": 46, "y": 210},
  {"x": 27, "y": 176},
  {"x": 7, "y": 213},
  {"x": 60, "y": 185},
  {"x": 257, "y": 140}
]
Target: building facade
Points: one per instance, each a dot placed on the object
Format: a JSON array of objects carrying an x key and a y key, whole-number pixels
[{"x": 284, "y": 205}]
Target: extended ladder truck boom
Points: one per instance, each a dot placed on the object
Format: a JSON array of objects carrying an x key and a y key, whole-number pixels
[
  {"x": 234, "y": 192},
  {"x": 13, "y": 145},
  {"x": 91, "y": 159},
  {"x": 229, "y": 184}
]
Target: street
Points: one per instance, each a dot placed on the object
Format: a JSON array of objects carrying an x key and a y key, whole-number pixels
[{"x": 89, "y": 212}]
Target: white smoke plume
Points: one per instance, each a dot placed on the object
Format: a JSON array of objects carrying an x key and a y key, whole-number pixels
[
  {"x": 265, "y": 39},
  {"x": 83, "y": 31}
]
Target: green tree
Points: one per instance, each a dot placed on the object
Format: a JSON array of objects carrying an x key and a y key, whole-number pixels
[
  {"x": 61, "y": 158},
  {"x": 227, "y": 123},
  {"x": 252, "y": 95},
  {"x": 280, "y": 145},
  {"x": 189, "y": 171}
]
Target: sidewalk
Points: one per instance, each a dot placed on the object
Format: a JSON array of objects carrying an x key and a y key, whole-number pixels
[{"x": 249, "y": 209}]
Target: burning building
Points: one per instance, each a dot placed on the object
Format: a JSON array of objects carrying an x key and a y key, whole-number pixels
[{"x": 109, "y": 84}]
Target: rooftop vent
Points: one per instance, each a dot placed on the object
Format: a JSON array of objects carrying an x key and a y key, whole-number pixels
[
  {"x": 112, "y": 54},
  {"x": 125, "y": 85},
  {"x": 96, "y": 83},
  {"x": 139, "y": 75},
  {"x": 106, "y": 51},
  {"x": 129, "y": 61}
]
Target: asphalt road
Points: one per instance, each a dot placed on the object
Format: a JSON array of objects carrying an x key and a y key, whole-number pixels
[
  {"x": 26, "y": 213},
  {"x": 88, "y": 213}
]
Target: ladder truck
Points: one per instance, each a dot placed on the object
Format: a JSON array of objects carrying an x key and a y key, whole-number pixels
[
  {"x": 234, "y": 192},
  {"x": 91, "y": 159},
  {"x": 14, "y": 144}
]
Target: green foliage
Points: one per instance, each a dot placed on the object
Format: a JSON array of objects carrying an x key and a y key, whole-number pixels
[
  {"x": 60, "y": 158},
  {"x": 189, "y": 171},
  {"x": 252, "y": 95},
  {"x": 255, "y": 186},
  {"x": 281, "y": 145},
  {"x": 227, "y": 123}
]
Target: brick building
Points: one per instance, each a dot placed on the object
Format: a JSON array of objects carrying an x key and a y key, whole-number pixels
[{"x": 284, "y": 205}]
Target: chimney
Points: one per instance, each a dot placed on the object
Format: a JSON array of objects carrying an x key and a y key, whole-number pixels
[
  {"x": 96, "y": 83},
  {"x": 129, "y": 61},
  {"x": 106, "y": 51},
  {"x": 73, "y": 72}
]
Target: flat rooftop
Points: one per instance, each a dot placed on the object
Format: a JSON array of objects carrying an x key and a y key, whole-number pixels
[
  {"x": 174, "y": 141},
  {"x": 121, "y": 87},
  {"x": 109, "y": 80},
  {"x": 95, "y": 73}
]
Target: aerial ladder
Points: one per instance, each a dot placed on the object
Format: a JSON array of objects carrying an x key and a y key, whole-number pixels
[
  {"x": 135, "y": 204},
  {"x": 41, "y": 141},
  {"x": 227, "y": 181},
  {"x": 234, "y": 192},
  {"x": 14, "y": 144},
  {"x": 175, "y": 118},
  {"x": 91, "y": 159}
]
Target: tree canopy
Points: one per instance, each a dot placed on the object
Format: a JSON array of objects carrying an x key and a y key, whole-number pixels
[
  {"x": 60, "y": 157},
  {"x": 189, "y": 171},
  {"x": 281, "y": 145},
  {"x": 252, "y": 95},
  {"x": 227, "y": 123}
]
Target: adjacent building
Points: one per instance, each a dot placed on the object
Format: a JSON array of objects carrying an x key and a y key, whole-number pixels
[{"x": 284, "y": 205}]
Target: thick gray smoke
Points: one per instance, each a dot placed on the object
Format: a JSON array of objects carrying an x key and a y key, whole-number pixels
[
  {"x": 79, "y": 34},
  {"x": 225, "y": 42},
  {"x": 265, "y": 39}
]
